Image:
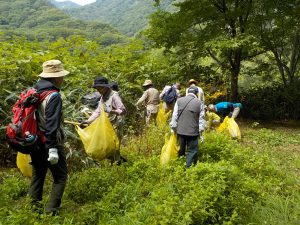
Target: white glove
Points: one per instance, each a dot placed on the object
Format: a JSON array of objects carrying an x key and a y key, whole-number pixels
[
  {"x": 107, "y": 109},
  {"x": 201, "y": 136},
  {"x": 53, "y": 156}
]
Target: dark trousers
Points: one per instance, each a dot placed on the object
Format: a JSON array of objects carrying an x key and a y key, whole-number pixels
[
  {"x": 59, "y": 172},
  {"x": 191, "y": 142}
]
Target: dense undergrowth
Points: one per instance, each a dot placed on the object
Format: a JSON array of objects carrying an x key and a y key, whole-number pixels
[{"x": 254, "y": 181}]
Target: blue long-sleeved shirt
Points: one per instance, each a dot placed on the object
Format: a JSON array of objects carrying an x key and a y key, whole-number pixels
[{"x": 226, "y": 107}]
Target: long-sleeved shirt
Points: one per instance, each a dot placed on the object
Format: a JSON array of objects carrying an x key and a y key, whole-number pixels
[
  {"x": 150, "y": 99},
  {"x": 49, "y": 115},
  {"x": 226, "y": 107},
  {"x": 111, "y": 101}
]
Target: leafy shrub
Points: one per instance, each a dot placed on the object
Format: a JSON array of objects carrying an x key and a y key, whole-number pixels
[
  {"x": 214, "y": 146},
  {"x": 92, "y": 184},
  {"x": 12, "y": 188},
  {"x": 270, "y": 103}
]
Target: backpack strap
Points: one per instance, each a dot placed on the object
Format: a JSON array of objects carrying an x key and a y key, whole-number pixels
[{"x": 45, "y": 98}]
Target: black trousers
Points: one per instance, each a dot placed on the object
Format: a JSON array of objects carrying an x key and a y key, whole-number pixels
[
  {"x": 59, "y": 171},
  {"x": 191, "y": 143}
]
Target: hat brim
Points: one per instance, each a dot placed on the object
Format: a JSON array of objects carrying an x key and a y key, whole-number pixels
[
  {"x": 57, "y": 74},
  {"x": 193, "y": 82},
  {"x": 145, "y": 85},
  {"x": 101, "y": 85}
]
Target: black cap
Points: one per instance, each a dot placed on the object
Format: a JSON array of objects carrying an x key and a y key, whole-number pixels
[{"x": 101, "y": 82}]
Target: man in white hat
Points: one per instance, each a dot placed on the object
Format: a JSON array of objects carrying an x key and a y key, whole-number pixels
[
  {"x": 49, "y": 153},
  {"x": 150, "y": 100},
  {"x": 200, "y": 95}
]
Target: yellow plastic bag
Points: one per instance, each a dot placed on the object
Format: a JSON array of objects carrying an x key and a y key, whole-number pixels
[
  {"x": 162, "y": 116},
  {"x": 23, "y": 161},
  {"x": 210, "y": 117},
  {"x": 169, "y": 150},
  {"x": 99, "y": 138},
  {"x": 231, "y": 127}
]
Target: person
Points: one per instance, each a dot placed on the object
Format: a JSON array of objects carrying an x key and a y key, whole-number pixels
[
  {"x": 115, "y": 109},
  {"x": 150, "y": 100},
  {"x": 189, "y": 123},
  {"x": 226, "y": 109},
  {"x": 49, "y": 153},
  {"x": 90, "y": 101},
  {"x": 212, "y": 119},
  {"x": 114, "y": 86},
  {"x": 193, "y": 83},
  {"x": 167, "y": 106}
]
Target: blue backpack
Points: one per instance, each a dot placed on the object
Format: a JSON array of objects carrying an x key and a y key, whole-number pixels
[{"x": 170, "y": 96}]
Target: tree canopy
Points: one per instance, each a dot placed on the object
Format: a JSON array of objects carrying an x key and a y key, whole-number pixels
[{"x": 230, "y": 32}]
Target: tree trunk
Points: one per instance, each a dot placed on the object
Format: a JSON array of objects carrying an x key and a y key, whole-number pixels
[
  {"x": 234, "y": 85},
  {"x": 280, "y": 67},
  {"x": 235, "y": 66}
]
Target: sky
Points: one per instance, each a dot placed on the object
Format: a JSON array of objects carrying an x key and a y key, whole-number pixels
[{"x": 80, "y": 2}]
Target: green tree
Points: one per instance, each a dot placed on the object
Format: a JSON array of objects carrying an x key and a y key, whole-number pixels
[
  {"x": 279, "y": 32},
  {"x": 218, "y": 29}
]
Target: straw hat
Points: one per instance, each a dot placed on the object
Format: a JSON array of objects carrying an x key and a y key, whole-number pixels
[
  {"x": 53, "y": 68},
  {"x": 192, "y": 81},
  {"x": 147, "y": 83}
]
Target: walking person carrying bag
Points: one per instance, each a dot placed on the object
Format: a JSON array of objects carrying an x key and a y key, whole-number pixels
[{"x": 189, "y": 123}]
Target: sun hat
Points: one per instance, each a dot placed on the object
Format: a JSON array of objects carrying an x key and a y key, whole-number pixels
[
  {"x": 101, "y": 82},
  {"x": 147, "y": 83},
  {"x": 193, "y": 90},
  {"x": 53, "y": 68},
  {"x": 192, "y": 81}
]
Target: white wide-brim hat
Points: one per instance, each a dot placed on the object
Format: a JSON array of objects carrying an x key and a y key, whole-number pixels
[
  {"x": 147, "y": 83},
  {"x": 53, "y": 68}
]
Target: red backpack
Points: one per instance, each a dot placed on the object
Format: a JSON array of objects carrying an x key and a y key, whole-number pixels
[{"x": 22, "y": 134}]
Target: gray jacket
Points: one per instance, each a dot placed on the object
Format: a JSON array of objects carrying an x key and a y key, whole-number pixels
[{"x": 190, "y": 120}]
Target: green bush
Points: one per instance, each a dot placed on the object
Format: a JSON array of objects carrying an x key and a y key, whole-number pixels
[
  {"x": 12, "y": 188},
  {"x": 92, "y": 184},
  {"x": 271, "y": 103}
]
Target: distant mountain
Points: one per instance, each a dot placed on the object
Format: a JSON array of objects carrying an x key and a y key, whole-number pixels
[
  {"x": 129, "y": 16},
  {"x": 65, "y": 5},
  {"x": 39, "y": 19}
]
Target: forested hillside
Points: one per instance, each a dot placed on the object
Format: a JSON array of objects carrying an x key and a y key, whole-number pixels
[
  {"x": 39, "y": 19},
  {"x": 129, "y": 16},
  {"x": 65, "y": 5}
]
